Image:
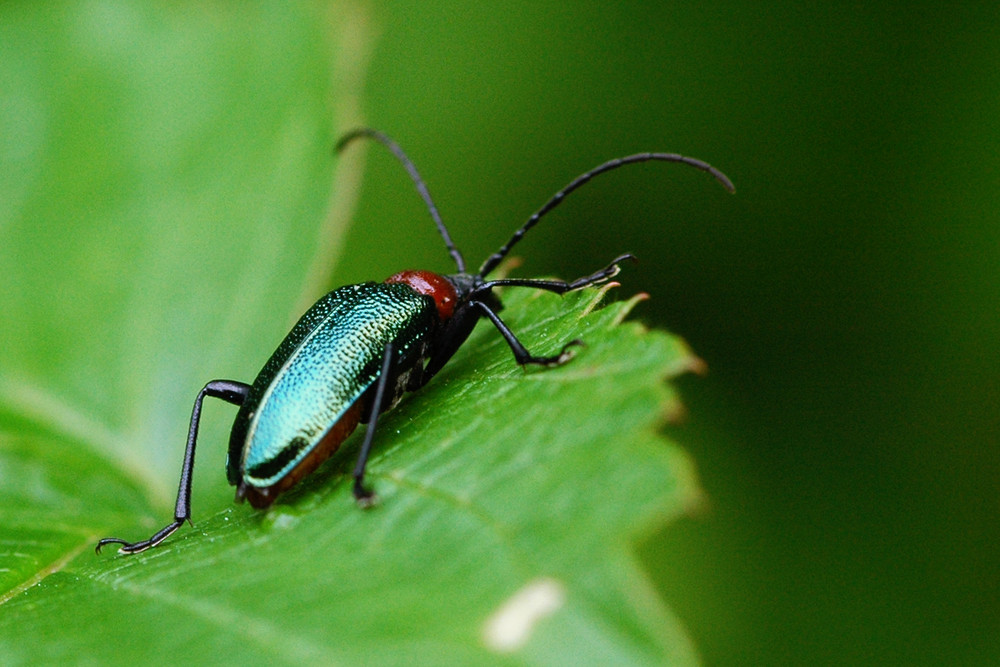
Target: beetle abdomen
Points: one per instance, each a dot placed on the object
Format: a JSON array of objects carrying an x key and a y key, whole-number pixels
[{"x": 308, "y": 392}]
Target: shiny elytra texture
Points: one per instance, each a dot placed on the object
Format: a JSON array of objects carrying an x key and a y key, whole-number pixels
[{"x": 325, "y": 364}]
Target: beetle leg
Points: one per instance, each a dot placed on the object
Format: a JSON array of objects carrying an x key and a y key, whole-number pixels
[
  {"x": 365, "y": 497},
  {"x": 561, "y": 286},
  {"x": 229, "y": 391},
  {"x": 521, "y": 354}
]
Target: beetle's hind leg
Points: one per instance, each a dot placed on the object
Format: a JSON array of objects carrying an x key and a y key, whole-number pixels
[{"x": 229, "y": 391}]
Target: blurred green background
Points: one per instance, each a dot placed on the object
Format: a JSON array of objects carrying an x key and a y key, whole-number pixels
[{"x": 844, "y": 300}]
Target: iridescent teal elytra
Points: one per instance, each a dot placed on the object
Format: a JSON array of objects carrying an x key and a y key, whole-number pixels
[
  {"x": 320, "y": 371},
  {"x": 354, "y": 354}
]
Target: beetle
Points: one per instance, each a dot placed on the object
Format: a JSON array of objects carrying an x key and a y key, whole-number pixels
[{"x": 355, "y": 352}]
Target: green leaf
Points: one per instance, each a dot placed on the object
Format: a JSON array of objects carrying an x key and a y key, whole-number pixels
[{"x": 159, "y": 226}]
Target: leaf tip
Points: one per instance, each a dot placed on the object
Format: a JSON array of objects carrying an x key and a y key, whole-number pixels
[{"x": 629, "y": 305}]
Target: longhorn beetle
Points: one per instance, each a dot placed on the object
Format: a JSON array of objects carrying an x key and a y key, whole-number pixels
[{"x": 354, "y": 353}]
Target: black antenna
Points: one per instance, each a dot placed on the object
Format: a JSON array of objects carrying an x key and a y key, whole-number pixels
[
  {"x": 384, "y": 139},
  {"x": 494, "y": 259}
]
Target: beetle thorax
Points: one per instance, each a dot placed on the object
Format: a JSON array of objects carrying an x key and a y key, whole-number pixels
[{"x": 433, "y": 285}]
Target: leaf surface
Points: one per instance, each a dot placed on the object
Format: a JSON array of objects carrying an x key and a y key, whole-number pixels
[{"x": 159, "y": 226}]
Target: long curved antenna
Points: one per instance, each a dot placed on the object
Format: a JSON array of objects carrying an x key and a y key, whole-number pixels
[
  {"x": 494, "y": 259},
  {"x": 384, "y": 139}
]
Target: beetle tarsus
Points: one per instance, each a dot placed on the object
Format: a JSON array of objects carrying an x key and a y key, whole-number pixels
[
  {"x": 560, "y": 286},
  {"x": 363, "y": 496},
  {"x": 565, "y": 354},
  {"x": 136, "y": 547},
  {"x": 604, "y": 275}
]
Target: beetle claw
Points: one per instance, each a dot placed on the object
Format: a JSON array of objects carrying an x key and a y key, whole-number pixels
[
  {"x": 367, "y": 502},
  {"x": 565, "y": 354},
  {"x": 363, "y": 496}
]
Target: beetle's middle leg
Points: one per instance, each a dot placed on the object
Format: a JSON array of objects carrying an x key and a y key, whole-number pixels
[
  {"x": 521, "y": 354},
  {"x": 365, "y": 497}
]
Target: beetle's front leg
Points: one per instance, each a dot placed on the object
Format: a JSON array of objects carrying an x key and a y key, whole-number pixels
[
  {"x": 561, "y": 286},
  {"x": 229, "y": 391}
]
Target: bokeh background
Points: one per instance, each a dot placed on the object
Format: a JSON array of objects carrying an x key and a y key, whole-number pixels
[{"x": 845, "y": 299}]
